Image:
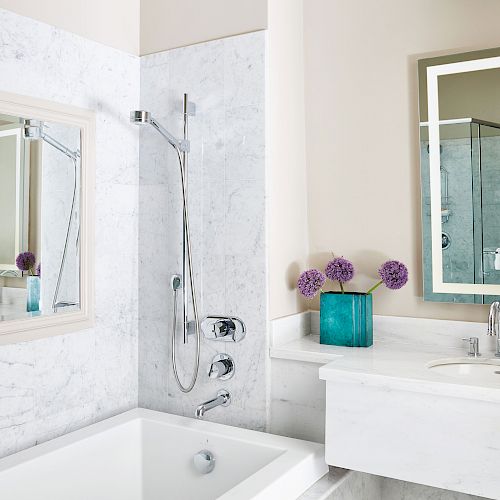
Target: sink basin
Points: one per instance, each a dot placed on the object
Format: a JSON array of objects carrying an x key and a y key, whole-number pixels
[{"x": 467, "y": 368}]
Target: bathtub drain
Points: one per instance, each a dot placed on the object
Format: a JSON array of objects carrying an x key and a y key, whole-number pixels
[{"x": 204, "y": 462}]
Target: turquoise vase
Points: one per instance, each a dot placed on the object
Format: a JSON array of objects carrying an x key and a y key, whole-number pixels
[
  {"x": 346, "y": 319},
  {"x": 33, "y": 286}
]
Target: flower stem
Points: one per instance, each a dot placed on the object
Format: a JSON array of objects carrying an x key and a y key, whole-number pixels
[
  {"x": 374, "y": 287},
  {"x": 341, "y": 286}
]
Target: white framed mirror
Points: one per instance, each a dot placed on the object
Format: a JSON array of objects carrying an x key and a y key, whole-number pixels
[
  {"x": 459, "y": 98},
  {"x": 47, "y": 170}
]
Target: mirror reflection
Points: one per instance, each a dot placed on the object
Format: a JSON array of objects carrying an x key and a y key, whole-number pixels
[
  {"x": 39, "y": 217},
  {"x": 469, "y": 127}
]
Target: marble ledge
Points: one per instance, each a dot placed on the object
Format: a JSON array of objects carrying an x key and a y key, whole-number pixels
[{"x": 399, "y": 358}]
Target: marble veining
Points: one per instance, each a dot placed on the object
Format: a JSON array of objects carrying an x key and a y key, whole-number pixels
[
  {"x": 55, "y": 385},
  {"x": 226, "y": 191}
]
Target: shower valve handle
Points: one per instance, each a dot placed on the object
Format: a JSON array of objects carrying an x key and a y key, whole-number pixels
[{"x": 223, "y": 328}]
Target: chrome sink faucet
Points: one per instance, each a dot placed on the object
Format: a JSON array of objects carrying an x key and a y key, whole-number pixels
[
  {"x": 493, "y": 325},
  {"x": 223, "y": 399},
  {"x": 473, "y": 346}
]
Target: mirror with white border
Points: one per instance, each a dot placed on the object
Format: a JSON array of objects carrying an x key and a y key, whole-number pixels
[
  {"x": 46, "y": 218},
  {"x": 460, "y": 171}
]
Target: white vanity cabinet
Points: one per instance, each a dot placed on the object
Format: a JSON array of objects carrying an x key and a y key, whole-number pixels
[{"x": 435, "y": 433}]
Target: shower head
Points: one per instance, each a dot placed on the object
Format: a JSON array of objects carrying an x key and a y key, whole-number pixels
[
  {"x": 140, "y": 117},
  {"x": 33, "y": 130}
]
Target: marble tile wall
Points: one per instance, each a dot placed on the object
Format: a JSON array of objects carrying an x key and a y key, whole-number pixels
[
  {"x": 55, "y": 385},
  {"x": 396, "y": 490},
  {"x": 226, "y": 188}
]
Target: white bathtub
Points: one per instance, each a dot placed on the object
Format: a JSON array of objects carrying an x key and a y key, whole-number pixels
[{"x": 148, "y": 455}]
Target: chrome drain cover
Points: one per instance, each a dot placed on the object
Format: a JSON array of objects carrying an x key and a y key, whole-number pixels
[{"x": 204, "y": 461}]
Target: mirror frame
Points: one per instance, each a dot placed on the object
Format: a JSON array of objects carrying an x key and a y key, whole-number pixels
[
  {"x": 32, "y": 328},
  {"x": 433, "y": 73}
]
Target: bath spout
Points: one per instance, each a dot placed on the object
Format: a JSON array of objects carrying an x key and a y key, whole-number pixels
[{"x": 223, "y": 399}]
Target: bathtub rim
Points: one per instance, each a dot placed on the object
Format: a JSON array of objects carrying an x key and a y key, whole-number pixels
[{"x": 297, "y": 455}]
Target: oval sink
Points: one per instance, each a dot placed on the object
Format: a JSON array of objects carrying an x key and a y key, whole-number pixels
[{"x": 467, "y": 368}]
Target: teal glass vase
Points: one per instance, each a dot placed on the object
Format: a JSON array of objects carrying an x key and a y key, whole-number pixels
[
  {"x": 33, "y": 287},
  {"x": 346, "y": 319}
]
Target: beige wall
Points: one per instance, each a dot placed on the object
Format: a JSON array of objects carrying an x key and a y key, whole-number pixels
[
  {"x": 287, "y": 208},
  {"x": 362, "y": 131},
  {"x": 111, "y": 22},
  {"x": 166, "y": 24}
]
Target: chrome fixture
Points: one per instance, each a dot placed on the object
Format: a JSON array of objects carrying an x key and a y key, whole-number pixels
[
  {"x": 221, "y": 367},
  {"x": 204, "y": 462},
  {"x": 33, "y": 130},
  {"x": 493, "y": 325},
  {"x": 445, "y": 241},
  {"x": 473, "y": 346},
  {"x": 225, "y": 328},
  {"x": 181, "y": 147},
  {"x": 223, "y": 399},
  {"x": 142, "y": 117}
]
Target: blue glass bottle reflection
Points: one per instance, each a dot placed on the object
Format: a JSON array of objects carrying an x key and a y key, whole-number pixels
[{"x": 33, "y": 286}]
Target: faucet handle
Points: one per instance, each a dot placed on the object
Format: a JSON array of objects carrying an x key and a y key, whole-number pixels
[
  {"x": 223, "y": 328},
  {"x": 221, "y": 367},
  {"x": 493, "y": 318},
  {"x": 473, "y": 346}
]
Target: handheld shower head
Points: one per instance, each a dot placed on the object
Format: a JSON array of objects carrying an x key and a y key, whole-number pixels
[
  {"x": 33, "y": 130},
  {"x": 140, "y": 117}
]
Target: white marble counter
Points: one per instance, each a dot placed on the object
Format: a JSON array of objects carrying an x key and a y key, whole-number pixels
[{"x": 399, "y": 358}]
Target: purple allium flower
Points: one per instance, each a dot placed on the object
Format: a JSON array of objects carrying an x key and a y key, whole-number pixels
[
  {"x": 39, "y": 269},
  {"x": 339, "y": 269},
  {"x": 25, "y": 261},
  {"x": 310, "y": 282},
  {"x": 394, "y": 274}
]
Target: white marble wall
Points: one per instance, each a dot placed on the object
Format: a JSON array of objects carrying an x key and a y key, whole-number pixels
[
  {"x": 226, "y": 80},
  {"x": 52, "y": 386}
]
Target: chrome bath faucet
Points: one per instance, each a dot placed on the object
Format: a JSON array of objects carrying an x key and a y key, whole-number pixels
[{"x": 223, "y": 399}]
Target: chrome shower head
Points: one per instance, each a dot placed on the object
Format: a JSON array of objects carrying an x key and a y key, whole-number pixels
[
  {"x": 33, "y": 130},
  {"x": 140, "y": 117},
  {"x": 144, "y": 118}
]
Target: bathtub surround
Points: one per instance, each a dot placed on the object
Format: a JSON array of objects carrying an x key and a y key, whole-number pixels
[
  {"x": 55, "y": 385},
  {"x": 226, "y": 189}
]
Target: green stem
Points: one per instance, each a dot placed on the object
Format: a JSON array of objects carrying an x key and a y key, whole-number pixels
[
  {"x": 341, "y": 286},
  {"x": 374, "y": 287}
]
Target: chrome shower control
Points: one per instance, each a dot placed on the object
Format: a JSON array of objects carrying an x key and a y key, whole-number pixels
[
  {"x": 225, "y": 328},
  {"x": 221, "y": 367}
]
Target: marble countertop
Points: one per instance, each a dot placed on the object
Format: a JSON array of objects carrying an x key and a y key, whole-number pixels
[
  {"x": 399, "y": 358},
  {"x": 405, "y": 367}
]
